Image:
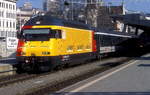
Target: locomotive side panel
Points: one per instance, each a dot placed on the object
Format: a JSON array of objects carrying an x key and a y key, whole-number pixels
[{"x": 72, "y": 46}]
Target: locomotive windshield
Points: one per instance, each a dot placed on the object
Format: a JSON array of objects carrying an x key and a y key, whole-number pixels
[
  {"x": 36, "y": 34},
  {"x": 40, "y": 34},
  {"x": 36, "y": 31}
]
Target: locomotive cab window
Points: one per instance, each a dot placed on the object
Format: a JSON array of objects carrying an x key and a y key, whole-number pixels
[
  {"x": 57, "y": 33},
  {"x": 40, "y": 34},
  {"x": 36, "y": 34}
]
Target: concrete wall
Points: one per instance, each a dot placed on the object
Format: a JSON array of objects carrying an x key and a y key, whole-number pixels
[{"x": 5, "y": 52}]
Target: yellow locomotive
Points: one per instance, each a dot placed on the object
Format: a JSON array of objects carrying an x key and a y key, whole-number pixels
[{"x": 46, "y": 42}]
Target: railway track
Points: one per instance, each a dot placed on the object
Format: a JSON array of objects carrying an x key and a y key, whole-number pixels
[
  {"x": 8, "y": 80},
  {"x": 5, "y": 81},
  {"x": 53, "y": 85},
  {"x": 46, "y": 90}
]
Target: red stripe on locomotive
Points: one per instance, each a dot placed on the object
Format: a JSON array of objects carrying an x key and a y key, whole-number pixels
[
  {"x": 26, "y": 27},
  {"x": 19, "y": 47},
  {"x": 94, "y": 47}
]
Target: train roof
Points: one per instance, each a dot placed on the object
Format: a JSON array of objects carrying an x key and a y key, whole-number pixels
[
  {"x": 49, "y": 20},
  {"x": 112, "y": 32}
]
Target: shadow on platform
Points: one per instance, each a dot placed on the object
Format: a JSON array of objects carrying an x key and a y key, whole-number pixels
[
  {"x": 7, "y": 61},
  {"x": 144, "y": 65},
  {"x": 11, "y": 59},
  {"x": 111, "y": 64},
  {"x": 13, "y": 55},
  {"x": 142, "y": 58}
]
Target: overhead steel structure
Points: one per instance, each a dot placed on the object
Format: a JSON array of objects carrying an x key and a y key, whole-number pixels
[{"x": 139, "y": 21}]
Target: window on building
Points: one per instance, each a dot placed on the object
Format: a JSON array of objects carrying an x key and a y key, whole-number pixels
[
  {"x": 14, "y": 25},
  {"x": 12, "y": 34},
  {"x": 9, "y": 15},
  {"x": 2, "y": 14},
  {"x": 3, "y": 24},
  {"x": 2, "y": 33},
  {"x": 6, "y": 15},
  {"x": 13, "y": 7},
  {"x": 3, "y": 5},
  {"x": 15, "y": 34},
  {"x": 10, "y": 6},
  {"x": 7, "y": 6},
  {"x": 10, "y": 25},
  {"x": 7, "y": 24},
  {"x": 14, "y": 16},
  {"x": 0, "y": 4}
]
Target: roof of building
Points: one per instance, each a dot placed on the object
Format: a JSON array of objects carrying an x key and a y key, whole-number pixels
[
  {"x": 12, "y": 0},
  {"x": 141, "y": 21}
]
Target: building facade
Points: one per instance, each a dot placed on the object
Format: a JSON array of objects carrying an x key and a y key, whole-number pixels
[
  {"x": 7, "y": 18},
  {"x": 51, "y": 5},
  {"x": 104, "y": 18},
  {"x": 92, "y": 12},
  {"x": 25, "y": 13},
  {"x": 7, "y": 24}
]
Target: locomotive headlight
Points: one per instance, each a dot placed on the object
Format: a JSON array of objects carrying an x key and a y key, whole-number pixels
[
  {"x": 27, "y": 61},
  {"x": 23, "y": 53},
  {"x": 141, "y": 46}
]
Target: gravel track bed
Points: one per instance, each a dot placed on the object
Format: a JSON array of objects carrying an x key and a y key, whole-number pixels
[
  {"x": 57, "y": 80},
  {"x": 5, "y": 81},
  {"x": 9, "y": 80},
  {"x": 50, "y": 88}
]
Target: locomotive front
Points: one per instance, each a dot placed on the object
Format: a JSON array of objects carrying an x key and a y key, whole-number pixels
[{"x": 34, "y": 47}]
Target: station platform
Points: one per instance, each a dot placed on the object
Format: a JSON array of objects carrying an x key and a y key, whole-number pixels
[
  {"x": 6, "y": 66},
  {"x": 133, "y": 76}
]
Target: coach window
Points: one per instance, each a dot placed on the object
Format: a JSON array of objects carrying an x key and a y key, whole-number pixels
[
  {"x": 118, "y": 40},
  {"x": 102, "y": 40}
]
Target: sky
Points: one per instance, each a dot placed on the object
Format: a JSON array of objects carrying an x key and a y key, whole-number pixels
[
  {"x": 133, "y": 5},
  {"x": 35, "y": 3}
]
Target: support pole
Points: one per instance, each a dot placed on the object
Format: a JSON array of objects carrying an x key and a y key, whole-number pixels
[{"x": 136, "y": 31}]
